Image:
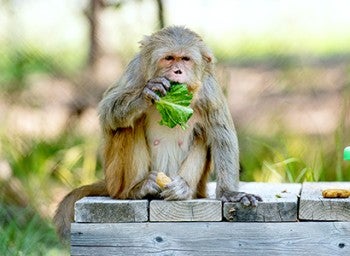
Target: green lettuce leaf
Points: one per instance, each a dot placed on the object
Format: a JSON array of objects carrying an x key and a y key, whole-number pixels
[{"x": 174, "y": 106}]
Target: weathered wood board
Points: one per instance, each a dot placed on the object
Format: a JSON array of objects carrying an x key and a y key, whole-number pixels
[
  {"x": 189, "y": 210},
  {"x": 107, "y": 210},
  {"x": 314, "y": 207},
  {"x": 211, "y": 238},
  {"x": 280, "y": 203}
]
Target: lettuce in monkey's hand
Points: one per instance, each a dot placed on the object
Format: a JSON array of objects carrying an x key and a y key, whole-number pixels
[{"x": 174, "y": 106}]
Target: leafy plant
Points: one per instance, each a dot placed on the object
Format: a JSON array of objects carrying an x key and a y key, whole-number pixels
[
  {"x": 174, "y": 106},
  {"x": 24, "y": 232}
]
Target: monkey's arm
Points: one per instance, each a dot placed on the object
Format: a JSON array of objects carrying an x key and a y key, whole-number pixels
[
  {"x": 223, "y": 143},
  {"x": 126, "y": 101},
  {"x": 224, "y": 149},
  {"x": 123, "y": 103}
]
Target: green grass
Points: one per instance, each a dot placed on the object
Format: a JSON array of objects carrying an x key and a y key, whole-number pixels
[
  {"x": 41, "y": 166},
  {"x": 24, "y": 232},
  {"x": 72, "y": 159},
  {"x": 292, "y": 158}
]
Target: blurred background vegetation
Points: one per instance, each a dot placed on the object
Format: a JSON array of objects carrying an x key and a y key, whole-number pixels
[{"x": 283, "y": 65}]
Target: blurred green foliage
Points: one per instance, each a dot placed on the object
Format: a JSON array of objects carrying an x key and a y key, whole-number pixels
[
  {"x": 47, "y": 164},
  {"x": 282, "y": 51},
  {"x": 16, "y": 64},
  {"x": 24, "y": 232},
  {"x": 288, "y": 158},
  {"x": 42, "y": 166},
  {"x": 70, "y": 159}
]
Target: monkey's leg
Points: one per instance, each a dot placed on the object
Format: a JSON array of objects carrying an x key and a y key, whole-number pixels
[
  {"x": 127, "y": 161},
  {"x": 184, "y": 186}
]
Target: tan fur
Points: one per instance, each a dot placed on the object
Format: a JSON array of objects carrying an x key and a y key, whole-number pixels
[
  {"x": 136, "y": 147},
  {"x": 119, "y": 162}
]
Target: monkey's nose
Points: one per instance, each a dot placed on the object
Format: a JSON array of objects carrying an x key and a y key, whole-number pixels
[{"x": 178, "y": 72}]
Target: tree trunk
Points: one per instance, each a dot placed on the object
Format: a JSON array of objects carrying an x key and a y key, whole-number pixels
[
  {"x": 161, "y": 18},
  {"x": 92, "y": 14}
]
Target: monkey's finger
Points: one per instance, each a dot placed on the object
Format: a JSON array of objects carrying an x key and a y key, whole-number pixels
[
  {"x": 253, "y": 200},
  {"x": 156, "y": 87},
  {"x": 153, "y": 176},
  {"x": 150, "y": 95},
  {"x": 168, "y": 195},
  {"x": 165, "y": 82},
  {"x": 258, "y": 198},
  {"x": 154, "y": 190},
  {"x": 245, "y": 201},
  {"x": 250, "y": 199},
  {"x": 232, "y": 196},
  {"x": 177, "y": 190},
  {"x": 174, "y": 195}
]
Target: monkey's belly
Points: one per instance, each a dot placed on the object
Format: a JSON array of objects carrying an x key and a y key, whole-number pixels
[{"x": 168, "y": 146}]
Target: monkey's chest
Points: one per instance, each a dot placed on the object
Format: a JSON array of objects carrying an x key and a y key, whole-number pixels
[{"x": 168, "y": 146}]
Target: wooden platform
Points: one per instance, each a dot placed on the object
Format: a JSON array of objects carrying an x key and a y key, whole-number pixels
[
  {"x": 283, "y": 224},
  {"x": 314, "y": 207}
]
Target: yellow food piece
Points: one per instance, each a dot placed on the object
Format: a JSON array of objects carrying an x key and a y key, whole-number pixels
[
  {"x": 162, "y": 179},
  {"x": 336, "y": 193}
]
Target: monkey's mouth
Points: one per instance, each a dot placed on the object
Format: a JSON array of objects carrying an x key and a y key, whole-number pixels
[{"x": 175, "y": 79}]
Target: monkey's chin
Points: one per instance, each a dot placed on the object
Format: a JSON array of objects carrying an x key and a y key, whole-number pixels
[{"x": 176, "y": 79}]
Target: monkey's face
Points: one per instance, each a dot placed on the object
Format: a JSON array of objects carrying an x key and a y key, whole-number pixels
[
  {"x": 177, "y": 67},
  {"x": 177, "y": 54}
]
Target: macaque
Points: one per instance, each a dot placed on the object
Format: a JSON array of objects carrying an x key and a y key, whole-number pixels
[{"x": 137, "y": 147}]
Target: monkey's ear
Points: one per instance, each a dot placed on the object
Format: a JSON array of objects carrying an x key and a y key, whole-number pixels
[
  {"x": 207, "y": 55},
  {"x": 208, "y": 58}
]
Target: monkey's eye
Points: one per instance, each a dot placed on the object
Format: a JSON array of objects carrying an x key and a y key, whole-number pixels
[
  {"x": 169, "y": 57},
  {"x": 186, "y": 58}
]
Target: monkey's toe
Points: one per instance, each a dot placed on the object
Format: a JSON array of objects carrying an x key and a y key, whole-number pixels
[
  {"x": 250, "y": 200},
  {"x": 244, "y": 198}
]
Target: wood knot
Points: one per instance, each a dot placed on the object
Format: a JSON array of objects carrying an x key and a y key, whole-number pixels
[
  {"x": 341, "y": 245},
  {"x": 159, "y": 239}
]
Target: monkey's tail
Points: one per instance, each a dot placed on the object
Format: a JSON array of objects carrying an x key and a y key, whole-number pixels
[{"x": 65, "y": 211}]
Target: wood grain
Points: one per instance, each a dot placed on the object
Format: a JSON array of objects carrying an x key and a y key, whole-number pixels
[
  {"x": 188, "y": 210},
  {"x": 107, "y": 210},
  {"x": 314, "y": 207},
  {"x": 211, "y": 238},
  {"x": 280, "y": 203}
]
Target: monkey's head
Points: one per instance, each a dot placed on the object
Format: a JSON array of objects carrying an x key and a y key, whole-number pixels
[{"x": 178, "y": 54}]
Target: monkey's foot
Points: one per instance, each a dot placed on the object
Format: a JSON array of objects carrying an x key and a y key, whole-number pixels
[{"x": 244, "y": 198}]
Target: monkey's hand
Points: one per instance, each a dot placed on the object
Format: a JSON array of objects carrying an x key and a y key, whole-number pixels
[
  {"x": 244, "y": 198},
  {"x": 149, "y": 187},
  {"x": 178, "y": 189},
  {"x": 156, "y": 85}
]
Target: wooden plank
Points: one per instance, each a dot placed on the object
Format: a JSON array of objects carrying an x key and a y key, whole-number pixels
[
  {"x": 280, "y": 203},
  {"x": 108, "y": 210},
  {"x": 314, "y": 207},
  {"x": 188, "y": 210},
  {"x": 212, "y": 238}
]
